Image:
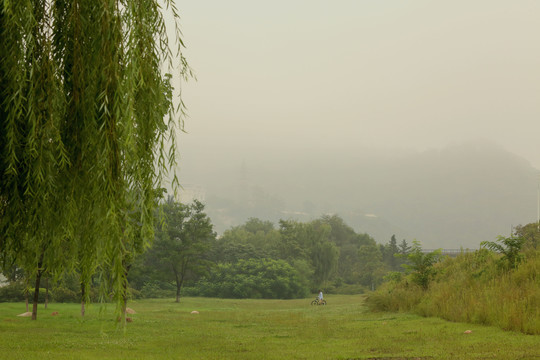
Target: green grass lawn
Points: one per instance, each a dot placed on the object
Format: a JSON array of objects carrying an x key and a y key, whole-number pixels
[{"x": 250, "y": 329}]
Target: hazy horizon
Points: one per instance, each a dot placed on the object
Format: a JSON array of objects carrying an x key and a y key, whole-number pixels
[
  {"x": 382, "y": 74},
  {"x": 283, "y": 78}
]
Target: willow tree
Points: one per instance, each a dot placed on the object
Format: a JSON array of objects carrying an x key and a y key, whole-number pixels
[{"x": 87, "y": 128}]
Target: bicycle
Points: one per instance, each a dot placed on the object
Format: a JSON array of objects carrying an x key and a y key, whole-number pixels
[{"x": 318, "y": 302}]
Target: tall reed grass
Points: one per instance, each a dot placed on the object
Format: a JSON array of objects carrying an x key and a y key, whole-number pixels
[{"x": 474, "y": 288}]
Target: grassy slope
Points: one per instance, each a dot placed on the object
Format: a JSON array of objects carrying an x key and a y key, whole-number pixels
[
  {"x": 250, "y": 329},
  {"x": 472, "y": 288}
]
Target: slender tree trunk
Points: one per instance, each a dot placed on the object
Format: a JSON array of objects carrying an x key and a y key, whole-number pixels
[
  {"x": 180, "y": 280},
  {"x": 36, "y": 288},
  {"x": 26, "y": 292},
  {"x": 36, "y": 295},
  {"x": 46, "y": 292},
  {"x": 125, "y": 293},
  {"x": 124, "y": 301},
  {"x": 178, "y": 286},
  {"x": 83, "y": 293}
]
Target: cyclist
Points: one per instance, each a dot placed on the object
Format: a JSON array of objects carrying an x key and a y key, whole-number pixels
[{"x": 320, "y": 296}]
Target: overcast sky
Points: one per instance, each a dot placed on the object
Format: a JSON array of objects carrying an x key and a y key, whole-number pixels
[{"x": 397, "y": 74}]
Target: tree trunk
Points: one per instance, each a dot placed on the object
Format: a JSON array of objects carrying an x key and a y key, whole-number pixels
[
  {"x": 36, "y": 295},
  {"x": 179, "y": 283},
  {"x": 36, "y": 289},
  {"x": 26, "y": 292},
  {"x": 83, "y": 293},
  {"x": 125, "y": 294},
  {"x": 46, "y": 292},
  {"x": 179, "y": 280},
  {"x": 124, "y": 301}
]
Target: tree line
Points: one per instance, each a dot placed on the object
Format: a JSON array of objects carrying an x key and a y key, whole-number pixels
[
  {"x": 257, "y": 259},
  {"x": 260, "y": 259}
]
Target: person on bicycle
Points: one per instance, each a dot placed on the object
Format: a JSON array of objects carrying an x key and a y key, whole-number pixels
[{"x": 320, "y": 296}]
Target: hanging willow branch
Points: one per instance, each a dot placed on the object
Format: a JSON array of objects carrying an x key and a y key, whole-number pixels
[{"x": 87, "y": 128}]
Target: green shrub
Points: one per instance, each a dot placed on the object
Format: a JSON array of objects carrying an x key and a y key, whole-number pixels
[
  {"x": 346, "y": 289},
  {"x": 402, "y": 296},
  {"x": 12, "y": 292},
  {"x": 472, "y": 288},
  {"x": 134, "y": 294},
  {"x": 253, "y": 278},
  {"x": 65, "y": 295},
  {"x": 509, "y": 247},
  {"x": 15, "y": 291},
  {"x": 421, "y": 265},
  {"x": 157, "y": 290}
]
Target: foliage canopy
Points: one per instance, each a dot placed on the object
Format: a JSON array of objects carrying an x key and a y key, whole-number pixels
[
  {"x": 182, "y": 244},
  {"x": 84, "y": 131}
]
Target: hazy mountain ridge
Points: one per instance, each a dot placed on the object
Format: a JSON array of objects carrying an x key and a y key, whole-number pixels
[{"x": 457, "y": 196}]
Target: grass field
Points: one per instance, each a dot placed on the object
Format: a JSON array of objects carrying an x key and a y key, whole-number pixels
[{"x": 250, "y": 329}]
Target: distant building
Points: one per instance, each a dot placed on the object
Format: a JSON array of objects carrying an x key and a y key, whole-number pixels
[{"x": 190, "y": 192}]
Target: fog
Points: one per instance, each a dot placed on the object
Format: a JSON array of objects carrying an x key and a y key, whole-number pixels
[{"x": 284, "y": 87}]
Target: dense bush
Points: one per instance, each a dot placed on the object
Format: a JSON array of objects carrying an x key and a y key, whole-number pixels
[
  {"x": 396, "y": 296},
  {"x": 66, "y": 289},
  {"x": 346, "y": 289},
  {"x": 472, "y": 288},
  {"x": 12, "y": 292},
  {"x": 65, "y": 295},
  {"x": 15, "y": 292},
  {"x": 157, "y": 289},
  {"x": 265, "y": 278}
]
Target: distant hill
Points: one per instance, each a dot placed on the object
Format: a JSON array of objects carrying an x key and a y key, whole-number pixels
[{"x": 454, "y": 197}]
